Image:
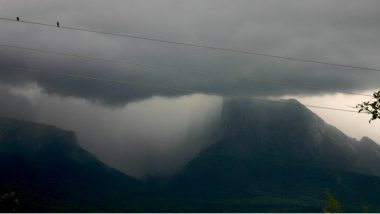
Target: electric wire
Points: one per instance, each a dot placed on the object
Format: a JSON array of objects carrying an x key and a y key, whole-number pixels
[
  {"x": 238, "y": 51},
  {"x": 139, "y": 84},
  {"x": 196, "y": 72}
]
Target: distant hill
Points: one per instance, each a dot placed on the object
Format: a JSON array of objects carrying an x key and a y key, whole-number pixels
[
  {"x": 49, "y": 171},
  {"x": 280, "y": 157},
  {"x": 265, "y": 157}
]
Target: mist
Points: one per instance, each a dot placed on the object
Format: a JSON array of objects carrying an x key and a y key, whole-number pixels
[{"x": 153, "y": 137}]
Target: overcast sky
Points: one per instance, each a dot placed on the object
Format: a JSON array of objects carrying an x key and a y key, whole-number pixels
[{"x": 336, "y": 31}]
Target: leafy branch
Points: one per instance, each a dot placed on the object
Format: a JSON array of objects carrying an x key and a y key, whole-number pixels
[{"x": 371, "y": 107}]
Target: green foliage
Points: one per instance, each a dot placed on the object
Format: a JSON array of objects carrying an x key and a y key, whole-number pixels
[
  {"x": 9, "y": 202},
  {"x": 371, "y": 107},
  {"x": 365, "y": 209},
  {"x": 332, "y": 205}
]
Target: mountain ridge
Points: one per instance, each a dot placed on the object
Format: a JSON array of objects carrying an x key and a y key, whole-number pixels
[
  {"x": 266, "y": 158},
  {"x": 280, "y": 151},
  {"x": 49, "y": 171}
]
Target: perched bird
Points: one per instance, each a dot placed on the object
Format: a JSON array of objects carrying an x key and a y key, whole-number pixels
[
  {"x": 58, "y": 24},
  {"x": 18, "y": 18}
]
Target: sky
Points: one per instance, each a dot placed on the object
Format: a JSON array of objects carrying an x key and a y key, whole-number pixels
[{"x": 109, "y": 117}]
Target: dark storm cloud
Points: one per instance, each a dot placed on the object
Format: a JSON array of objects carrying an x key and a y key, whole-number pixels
[{"x": 335, "y": 31}]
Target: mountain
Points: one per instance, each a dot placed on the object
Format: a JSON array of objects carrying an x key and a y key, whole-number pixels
[
  {"x": 49, "y": 171},
  {"x": 265, "y": 157},
  {"x": 279, "y": 157}
]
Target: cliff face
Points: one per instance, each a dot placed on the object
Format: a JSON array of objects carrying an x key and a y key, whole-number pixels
[
  {"x": 290, "y": 132},
  {"x": 49, "y": 171}
]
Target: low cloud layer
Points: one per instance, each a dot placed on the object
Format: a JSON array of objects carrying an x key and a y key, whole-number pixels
[{"x": 343, "y": 31}]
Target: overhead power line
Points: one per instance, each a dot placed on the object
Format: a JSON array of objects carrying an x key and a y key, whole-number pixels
[
  {"x": 238, "y": 51},
  {"x": 139, "y": 84},
  {"x": 196, "y": 72}
]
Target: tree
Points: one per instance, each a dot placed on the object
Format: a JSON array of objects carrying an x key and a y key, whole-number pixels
[
  {"x": 371, "y": 107},
  {"x": 9, "y": 202},
  {"x": 332, "y": 205}
]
